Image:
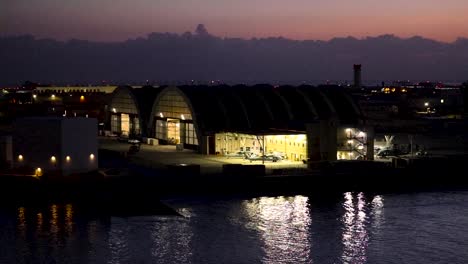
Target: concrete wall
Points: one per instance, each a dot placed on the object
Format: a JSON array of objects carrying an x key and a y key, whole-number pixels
[
  {"x": 39, "y": 139},
  {"x": 79, "y": 141},
  {"x": 6, "y": 151}
]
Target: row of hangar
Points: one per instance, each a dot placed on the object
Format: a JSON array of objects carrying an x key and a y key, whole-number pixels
[{"x": 294, "y": 121}]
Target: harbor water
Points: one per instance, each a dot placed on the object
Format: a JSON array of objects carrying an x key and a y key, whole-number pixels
[{"x": 421, "y": 227}]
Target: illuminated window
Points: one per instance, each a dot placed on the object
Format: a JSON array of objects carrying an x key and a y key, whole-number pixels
[
  {"x": 190, "y": 134},
  {"x": 161, "y": 129}
]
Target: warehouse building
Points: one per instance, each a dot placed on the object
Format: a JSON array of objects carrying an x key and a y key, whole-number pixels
[
  {"x": 129, "y": 110},
  {"x": 304, "y": 122}
]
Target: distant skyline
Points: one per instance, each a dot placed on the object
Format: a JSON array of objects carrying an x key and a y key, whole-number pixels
[{"x": 119, "y": 20}]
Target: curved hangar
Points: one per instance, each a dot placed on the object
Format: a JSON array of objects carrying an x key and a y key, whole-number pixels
[
  {"x": 130, "y": 110},
  {"x": 229, "y": 119}
]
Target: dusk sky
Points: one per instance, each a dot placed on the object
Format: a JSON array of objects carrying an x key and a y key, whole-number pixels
[{"x": 116, "y": 20}]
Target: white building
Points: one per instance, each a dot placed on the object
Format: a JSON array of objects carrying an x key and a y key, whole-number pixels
[{"x": 56, "y": 145}]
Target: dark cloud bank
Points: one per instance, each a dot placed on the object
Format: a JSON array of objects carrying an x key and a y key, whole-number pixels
[{"x": 168, "y": 57}]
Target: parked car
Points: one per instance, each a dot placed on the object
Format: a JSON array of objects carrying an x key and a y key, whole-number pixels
[
  {"x": 386, "y": 153},
  {"x": 134, "y": 148},
  {"x": 272, "y": 158},
  {"x": 134, "y": 141},
  {"x": 238, "y": 154}
]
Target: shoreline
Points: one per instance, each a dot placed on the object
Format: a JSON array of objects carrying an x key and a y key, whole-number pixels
[{"x": 354, "y": 176}]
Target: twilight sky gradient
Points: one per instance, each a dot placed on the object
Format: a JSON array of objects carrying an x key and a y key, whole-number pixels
[{"x": 115, "y": 20}]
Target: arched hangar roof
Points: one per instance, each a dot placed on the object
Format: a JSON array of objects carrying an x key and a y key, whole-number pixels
[
  {"x": 265, "y": 108},
  {"x": 139, "y": 101}
]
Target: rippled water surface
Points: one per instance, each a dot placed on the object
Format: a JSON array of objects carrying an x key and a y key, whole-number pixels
[{"x": 349, "y": 228}]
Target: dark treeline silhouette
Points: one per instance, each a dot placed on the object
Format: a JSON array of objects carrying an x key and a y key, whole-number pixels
[{"x": 199, "y": 56}]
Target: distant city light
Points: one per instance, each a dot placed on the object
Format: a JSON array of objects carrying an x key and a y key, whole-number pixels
[
  {"x": 442, "y": 101},
  {"x": 426, "y": 104}
]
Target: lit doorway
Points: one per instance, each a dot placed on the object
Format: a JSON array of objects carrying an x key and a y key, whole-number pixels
[
  {"x": 173, "y": 131},
  {"x": 125, "y": 124}
]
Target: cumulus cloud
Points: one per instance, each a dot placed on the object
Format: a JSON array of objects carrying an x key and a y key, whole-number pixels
[{"x": 170, "y": 57}]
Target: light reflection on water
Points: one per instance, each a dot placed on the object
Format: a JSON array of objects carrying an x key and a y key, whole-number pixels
[
  {"x": 166, "y": 240},
  {"x": 21, "y": 225},
  {"x": 355, "y": 236},
  {"x": 69, "y": 218},
  {"x": 283, "y": 224},
  {"x": 352, "y": 228}
]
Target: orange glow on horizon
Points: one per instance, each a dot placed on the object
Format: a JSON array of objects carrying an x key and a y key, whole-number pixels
[{"x": 302, "y": 19}]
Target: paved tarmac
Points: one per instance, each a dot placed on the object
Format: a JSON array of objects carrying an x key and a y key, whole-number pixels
[{"x": 160, "y": 156}]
